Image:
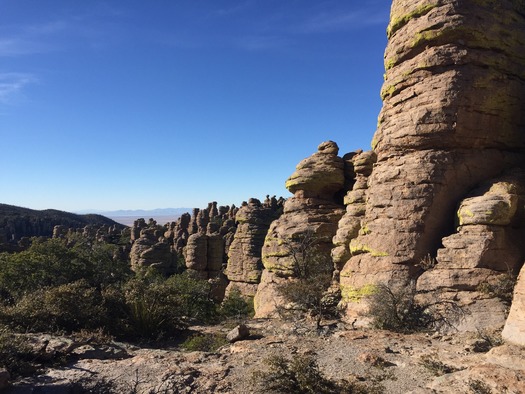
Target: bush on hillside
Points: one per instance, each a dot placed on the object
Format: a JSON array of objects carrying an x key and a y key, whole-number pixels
[
  {"x": 396, "y": 309},
  {"x": 51, "y": 262},
  {"x": 64, "y": 308},
  {"x": 307, "y": 292},
  {"x": 236, "y": 306},
  {"x": 302, "y": 375}
]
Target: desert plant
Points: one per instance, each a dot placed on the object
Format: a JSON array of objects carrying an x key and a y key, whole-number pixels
[
  {"x": 312, "y": 274},
  {"x": 298, "y": 375},
  {"x": 502, "y": 287},
  {"x": 427, "y": 263},
  {"x": 479, "y": 387},
  {"x": 435, "y": 366},
  {"x": 57, "y": 309},
  {"x": 396, "y": 309},
  {"x": 162, "y": 307},
  {"x": 236, "y": 306},
  {"x": 204, "y": 342},
  {"x": 301, "y": 375},
  {"x": 16, "y": 355}
]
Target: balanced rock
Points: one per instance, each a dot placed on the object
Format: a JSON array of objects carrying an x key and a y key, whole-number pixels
[
  {"x": 320, "y": 175},
  {"x": 307, "y": 225}
]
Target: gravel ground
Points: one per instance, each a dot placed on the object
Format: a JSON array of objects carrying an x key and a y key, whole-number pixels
[{"x": 394, "y": 363}]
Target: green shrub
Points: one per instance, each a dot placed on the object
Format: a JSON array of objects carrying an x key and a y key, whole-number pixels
[
  {"x": 236, "y": 306},
  {"x": 312, "y": 274},
  {"x": 204, "y": 342},
  {"x": 67, "y": 307},
  {"x": 435, "y": 366},
  {"x": 158, "y": 307},
  {"x": 395, "y": 309},
  {"x": 301, "y": 375},
  {"x": 52, "y": 262},
  {"x": 16, "y": 355}
]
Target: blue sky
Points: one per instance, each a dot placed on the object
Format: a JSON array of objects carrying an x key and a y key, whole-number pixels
[{"x": 151, "y": 104}]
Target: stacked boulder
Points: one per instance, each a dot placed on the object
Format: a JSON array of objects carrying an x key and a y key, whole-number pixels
[
  {"x": 150, "y": 248},
  {"x": 205, "y": 253},
  {"x": 452, "y": 119},
  {"x": 245, "y": 266},
  {"x": 355, "y": 201},
  {"x": 485, "y": 251},
  {"x": 313, "y": 212}
]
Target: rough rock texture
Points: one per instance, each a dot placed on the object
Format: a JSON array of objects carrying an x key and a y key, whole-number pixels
[
  {"x": 320, "y": 175},
  {"x": 355, "y": 201},
  {"x": 150, "y": 248},
  {"x": 311, "y": 212},
  {"x": 514, "y": 330},
  {"x": 486, "y": 248},
  {"x": 244, "y": 256},
  {"x": 452, "y": 118},
  {"x": 209, "y": 233}
]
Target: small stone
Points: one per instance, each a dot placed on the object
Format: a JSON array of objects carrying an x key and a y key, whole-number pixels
[{"x": 238, "y": 333}]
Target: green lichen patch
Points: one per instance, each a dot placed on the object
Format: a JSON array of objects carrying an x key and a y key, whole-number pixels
[
  {"x": 397, "y": 22},
  {"x": 359, "y": 248},
  {"x": 387, "y": 91},
  {"x": 356, "y": 294}
]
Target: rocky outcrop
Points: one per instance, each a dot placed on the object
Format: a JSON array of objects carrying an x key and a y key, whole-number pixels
[
  {"x": 514, "y": 330},
  {"x": 311, "y": 214},
  {"x": 150, "y": 248},
  {"x": 210, "y": 232},
  {"x": 452, "y": 119},
  {"x": 355, "y": 201},
  {"x": 485, "y": 250},
  {"x": 245, "y": 266}
]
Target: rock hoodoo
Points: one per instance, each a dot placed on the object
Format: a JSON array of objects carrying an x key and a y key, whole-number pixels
[
  {"x": 452, "y": 120},
  {"x": 355, "y": 201},
  {"x": 150, "y": 248},
  {"x": 312, "y": 211},
  {"x": 244, "y": 257}
]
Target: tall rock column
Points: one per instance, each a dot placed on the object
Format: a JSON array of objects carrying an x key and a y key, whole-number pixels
[
  {"x": 311, "y": 212},
  {"x": 452, "y": 118},
  {"x": 245, "y": 266}
]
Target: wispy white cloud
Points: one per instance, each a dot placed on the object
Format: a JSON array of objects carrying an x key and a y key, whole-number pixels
[
  {"x": 29, "y": 39},
  {"x": 18, "y": 46},
  {"x": 336, "y": 21},
  {"x": 12, "y": 85}
]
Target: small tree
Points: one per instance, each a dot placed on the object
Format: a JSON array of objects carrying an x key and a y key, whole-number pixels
[
  {"x": 396, "y": 309},
  {"x": 312, "y": 272}
]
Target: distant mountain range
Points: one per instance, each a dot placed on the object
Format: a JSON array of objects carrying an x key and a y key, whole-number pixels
[
  {"x": 128, "y": 216},
  {"x": 146, "y": 213},
  {"x": 17, "y": 222}
]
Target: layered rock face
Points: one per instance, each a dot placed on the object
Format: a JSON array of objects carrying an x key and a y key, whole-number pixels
[
  {"x": 312, "y": 211},
  {"x": 452, "y": 119},
  {"x": 150, "y": 248},
  {"x": 244, "y": 257},
  {"x": 355, "y": 201}
]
